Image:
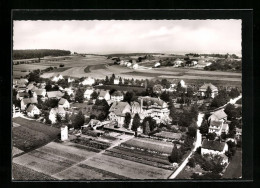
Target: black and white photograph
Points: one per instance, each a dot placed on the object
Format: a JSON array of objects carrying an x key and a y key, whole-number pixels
[{"x": 127, "y": 100}]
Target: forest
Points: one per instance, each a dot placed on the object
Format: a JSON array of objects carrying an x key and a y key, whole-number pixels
[{"x": 39, "y": 53}]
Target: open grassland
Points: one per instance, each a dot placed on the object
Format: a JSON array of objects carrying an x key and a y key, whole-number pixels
[
  {"x": 53, "y": 157},
  {"x": 31, "y": 134},
  {"x": 234, "y": 169},
  {"x": 152, "y": 145},
  {"x": 127, "y": 168}
]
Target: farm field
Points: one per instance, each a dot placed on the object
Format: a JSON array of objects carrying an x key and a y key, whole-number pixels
[
  {"x": 31, "y": 134},
  {"x": 146, "y": 144},
  {"x": 53, "y": 157},
  {"x": 127, "y": 168}
]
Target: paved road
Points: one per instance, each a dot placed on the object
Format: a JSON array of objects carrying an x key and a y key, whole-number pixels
[{"x": 197, "y": 144}]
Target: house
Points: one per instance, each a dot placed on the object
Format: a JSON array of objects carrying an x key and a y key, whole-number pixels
[
  {"x": 69, "y": 91},
  {"x": 116, "y": 81},
  {"x": 55, "y": 94},
  {"x": 57, "y": 78},
  {"x": 204, "y": 88},
  {"x": 154, "y": 107},
  {"x": 117, "y": 112},
  {"x": 178, "y": 63},
  {"x": 238, "y": 133},
  {"x": 22, "y": 81},
  {"x": 21, "y": 95},
  {"x": 129, "y": 64},
  {"x": 40, "y": 92},
  {"x": 213, "y": 147},
  {"x": 88, "y": 81},
  {"x": 117, "y": 96},
  {"x": 70, "y": 80},
  {"x": 53, "y": 113},
  {"x": 104, "y": 95},
  {"x": 135, "y": 66},
  {"x": 157, "y": 64},
  {"x": 31, "y": 87},
  {"x": 218, "y": 127},
  {"x": 26, "y": 101},
  {"x": 219, "y": 115},
  {"x": 88, "y": 92},
  {"x": 16, "y": 111},
  {"x": 135, "y": 107},
  {"x": 32, "y": 110},
  {"x": 93, "y": 123},
  {"x": 64, "y": 103}
]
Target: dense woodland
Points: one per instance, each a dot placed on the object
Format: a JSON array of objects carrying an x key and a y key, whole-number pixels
[{"x": 28, "y": 54}]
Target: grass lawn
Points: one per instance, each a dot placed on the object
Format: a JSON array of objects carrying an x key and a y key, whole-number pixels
[
  {"x": 234, "y": 169},
  {"x": 20, "y": 172},
  {"x": 32, "y": 134}
]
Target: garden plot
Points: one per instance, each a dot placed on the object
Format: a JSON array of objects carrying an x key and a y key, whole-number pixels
[
  {"x": 127, "y": 168},
  {"x": 53, "y": 158},
  {"x": 150, "y": 145}
]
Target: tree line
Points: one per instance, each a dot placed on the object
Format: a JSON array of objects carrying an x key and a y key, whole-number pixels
[{"x": 28, "y": 54}]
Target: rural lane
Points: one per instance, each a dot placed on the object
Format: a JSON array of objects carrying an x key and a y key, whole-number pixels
[{"x": 197, "y": 144}]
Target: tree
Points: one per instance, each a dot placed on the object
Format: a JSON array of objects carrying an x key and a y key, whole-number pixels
[
  {"x": 231, "y": 111},
  {"x": 211, "y": 136},
  {"x": 157, "y": 88},
  {"x": 175, "y": 155},
  {"x": 106, "y": 80},
  {"x": 66, "y": 118},
  {"x": 58, "y": 118},
  {"x": 234, "y": 93},
  {"x": 192, "y": 131},
  {"x": 151, "y": 121},
  {"x": 165, "y": 96},
  {"x": 191, "y": 163},
  {"x": 136, "y": 122},
  {"x": 94, "y": 95},
  {"x": 129, "y": 97},
  {"x": 120, "y": 81},
  {"x": 208, "y": 92},
  {"x": 66, "y": 96},
  {"x": 127, "y": 120},
  {"x": 79, "y": 96},
  {"x": 79, "y": 120},
  {"x": 204, "y": 128}
]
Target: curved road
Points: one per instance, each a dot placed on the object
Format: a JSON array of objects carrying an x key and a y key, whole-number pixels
[{"x": 197, "y": 144}]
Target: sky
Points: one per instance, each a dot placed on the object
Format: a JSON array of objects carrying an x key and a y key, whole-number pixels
[{"x": 130, "y": 36}]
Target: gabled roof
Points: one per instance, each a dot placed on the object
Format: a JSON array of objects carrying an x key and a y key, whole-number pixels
[
  {"x": 103, "y": 93},
  {"x": 205, "y": 87},
  {"x": 213, "y": 145},
  {"x": 54, "y": 94},
  {"x": 215, "y": 123},
  {"x": 62, "y": 101},
  {"x": 220, "y": 114},
  {"x": 30, "y": 100},
  {"x": 30, "y": 108},
  {"x": 151, "y": 100},
  {"x": 40, "y": 91},
  {"x": 59, "y": 110},
  {"x": 117, "y": 93},
  {"x": 23, "y": 94},
  {"x": 118, "y": 107}
]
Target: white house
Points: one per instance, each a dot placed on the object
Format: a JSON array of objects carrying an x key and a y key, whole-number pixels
[
  {"x": 117, "y": 112},
  {"x": 204, "y": 88},
  {"x": 26, "y": 101},
  {"x": 54, "y": 112},
  {"x": 70, "y": 80},
  {"x": 41, "y": 92},
  {"x": 88, "y": 92},
  {"x": 135, "y": 66},
  {"x": 117, "y": 96},
  {"x": 213, "y": 147},
  {"x": 69, "y": 91},
  {"x": 64, "y": 103},
  {"x": 64, "y": 133},
  {"x": 218, "y": 127},
  {"x": 88, "y": 81},
  {"x": 116, "y": 81},
  {"x": 32, "y": 110},
  {"x": 219, "y": 115},
  {"x": 104, "y": 95},
  {"x": 178, "y": 63},
  {"x": 57, "y": 78},
  {"x": 157, "y": 64}
]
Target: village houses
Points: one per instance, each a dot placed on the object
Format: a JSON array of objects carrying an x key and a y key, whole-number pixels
[
  {"x": 88, "y": 92},
  {"x": 53, "y": 113},
  {"x": 26, "y": 101},
  {"x": 88, "y": 81},
  {"x": 55, "y": 94},
  {"x": 203, "y": 89},
  {"x": 104, "y": 94},
  {"x": 32, "y": 110},
  {"x": 117, "y": 112},
  {"x": 117, "y": 96},
  {"x": 64, "y": 103},
  {"x": 57, "y": 78}
]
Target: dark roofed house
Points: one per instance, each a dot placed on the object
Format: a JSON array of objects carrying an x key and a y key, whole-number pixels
[
  {"x": 219, "y": 115},
  {"x": 213, "y": 147},
  {"x": 40, "y": 92},
  {"x": 64, "y": 103},
  {"x": 21, "y": 95},
  {"x": 117, "y": 96},
  {"x": 32, "y": 110}
]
